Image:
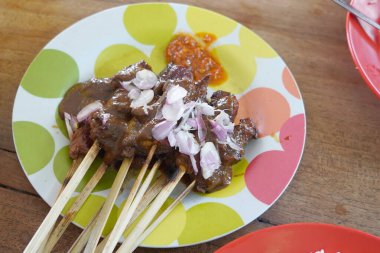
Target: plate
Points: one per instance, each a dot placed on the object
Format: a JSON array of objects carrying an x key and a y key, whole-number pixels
[
  {"x": 365, "y": 46},
  {"x": 103, "y": 43},
  {"x": 304, "y": 237}
]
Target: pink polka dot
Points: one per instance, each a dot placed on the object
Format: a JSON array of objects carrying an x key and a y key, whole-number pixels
[
  {"x": 270, "y": 172},
  {"x": 267, "y": 107}
]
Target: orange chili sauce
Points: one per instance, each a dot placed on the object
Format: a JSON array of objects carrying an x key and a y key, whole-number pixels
[{"x": 186, "y": 50}]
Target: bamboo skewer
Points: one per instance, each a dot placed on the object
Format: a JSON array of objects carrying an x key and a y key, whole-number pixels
[
  {"x": 148, "y": 197},
  {"x": 81, "y": 241},
  {"x": 152, "y": 192},
  {"x": 163, "y": 216},
  {"x": 70, "y": 172},
  {"x": 70, "y": 215},
  {"x": 66, "y": 180},
  {"x": 49, "y": 221},
  {"x": 107, "y": 207},
  {"x": 127, "y": 212},
  {"x": 151, "y": 212},
  {"x": 136, "y": 184}
]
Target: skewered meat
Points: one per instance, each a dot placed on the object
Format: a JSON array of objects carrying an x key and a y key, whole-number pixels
[{"x": 136, "y": 109}]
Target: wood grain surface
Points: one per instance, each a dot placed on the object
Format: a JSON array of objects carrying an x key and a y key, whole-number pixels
[{"x": 339, "y": 177}]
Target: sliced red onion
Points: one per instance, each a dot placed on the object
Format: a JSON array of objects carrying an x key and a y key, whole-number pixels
[
  {"x": 134, "y": 93},
  {"x": 190, "y": 105},
  {"x": 232, "y": 144},
  {"x": 127, "y": 85},
  {"x": 74, "y": 122},
  {"x": 172, "y": 139},
  {"x": 219, "y": 131},
  {"x": 175, "y": 93},
  {"x": 173, "y": 112},
  {"x": 210, "y": 160},
  {"x": 186, "y": 127},
  {"x": 224, "y": 120},
  {"x": 201, "y": 127},
  {"x": 145, "y": 97},
  {"x": 145, "y": 79},
  {"x": 188, "y": 109},
  {"x": 194, "y": 164},
  {"x": 186, "y": 143},
  {"x": 206, "y": 109},
  {"x": 159, "y": 114},
  {"x": 88, "y": 109},
  {"x": 68, "y": 125},
  {"x": 105, "y": 118},
  {"x": 161, "y": 130},
  {"x": 192, "y": 122}
]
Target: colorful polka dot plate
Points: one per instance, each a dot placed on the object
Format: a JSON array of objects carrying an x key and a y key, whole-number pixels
[{"x": 103, "y": 43}]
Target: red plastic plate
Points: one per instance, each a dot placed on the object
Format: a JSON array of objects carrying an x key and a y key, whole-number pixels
[
  {"x": 365, "y": 50},
  {"x": 304, "y": 238}
]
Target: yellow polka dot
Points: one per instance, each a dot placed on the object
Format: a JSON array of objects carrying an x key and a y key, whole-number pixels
[
  {"x": 237, "y": 182},
  {"x": 150, "y": 23},
  {"x": 168, "y": 230},
  {"x": 240, "y": 68},
  {"x": 208, "y": 220},
  {"x": 115, "y": 57},
  {"x": 88, "y": 211},
  {"x": 157, "y": 58},
  {"x": 201, "y": 20},
  {"x": 255, "y": 45}
]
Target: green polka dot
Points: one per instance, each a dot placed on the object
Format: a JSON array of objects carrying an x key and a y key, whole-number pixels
[
  {"x": 237, "y": 182},
  {"x": 254, "y": 44},
  {"x": 61, "y": 124},
  {"x": 88, "y": 211},
  {"x": 240, "y": 68},
  {"x": 115, "y": 57},
  {"x": 51, "y": 73},
  {"x": 34, "y": 144},
  {"x": 208, "y": 220},
  {"x": 201, "y": 20},
  {"x": 62, "y": 163},
  {"x": 168, "y": 230},
  {"x": 150, "y": 23}
]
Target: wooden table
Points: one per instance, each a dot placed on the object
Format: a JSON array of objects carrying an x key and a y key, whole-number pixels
[{"x": 339, "y": 177}]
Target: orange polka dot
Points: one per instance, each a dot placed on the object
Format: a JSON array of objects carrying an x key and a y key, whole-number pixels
[
  {"x": 267, "y": 108},
  {"x": 290, "y": 83}
]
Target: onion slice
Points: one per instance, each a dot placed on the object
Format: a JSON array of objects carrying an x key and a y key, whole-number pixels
[
  {"x": 232, "y": 144},
  {"x": 68, "y": 124},
  {"x": 175, "y": 93},
  {"x": 173, "y": 112},
  {"x": 127, "y": 85},
  {"x": 134, "y": 93},
  {"x": 161, "y": 130},
  {"x": 144, "y": 98},
  {"x": 194, "y": 164},
  {"x": 201, "y": 127},
  {"x": 145, "y": 79},
  {"x": 172, "y": 139},
  {"x": 206, "y": 109},
  {"x": 88, "y": 109},
  {"x": 186, "y": 143},
  {"x": 224, "y": 120},
  {"x": 219, "y": 131},
  {"x": 210, "y": 160}
]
